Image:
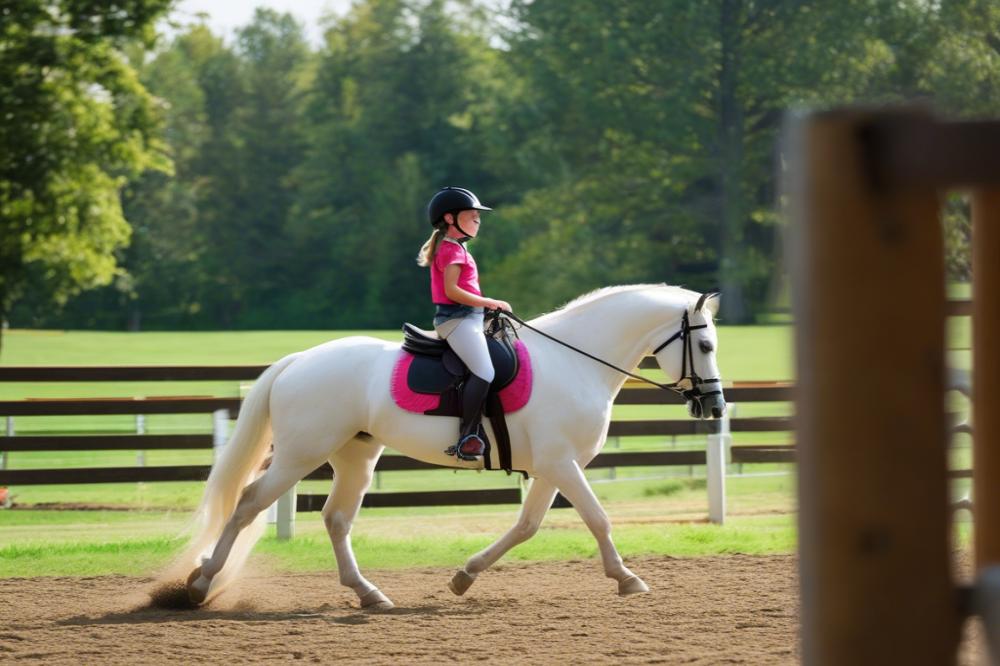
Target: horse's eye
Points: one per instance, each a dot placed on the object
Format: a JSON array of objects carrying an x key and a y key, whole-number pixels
[{"x": 705, "y": 346}]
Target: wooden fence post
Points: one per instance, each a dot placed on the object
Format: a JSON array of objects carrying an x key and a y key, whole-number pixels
[
  {"x": 869, "y": 298},
  {"x": 986, "y": 374}
]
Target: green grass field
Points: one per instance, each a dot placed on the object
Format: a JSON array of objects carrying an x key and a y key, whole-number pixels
[{"x": 657, "y": 511}]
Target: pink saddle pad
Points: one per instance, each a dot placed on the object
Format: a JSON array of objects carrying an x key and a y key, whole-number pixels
[{"x": 513, "y": 397}]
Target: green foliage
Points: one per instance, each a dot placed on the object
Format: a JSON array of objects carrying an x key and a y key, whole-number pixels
[
  {"x": 957, "y": 220},
  {"x": 619, "y": 142},
  {"x": 395, "y": 113},
  {"x": 660, "y": 121},
  {"x": 77, "y": 123}
]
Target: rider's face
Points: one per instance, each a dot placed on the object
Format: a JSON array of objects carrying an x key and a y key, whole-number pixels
[{"x": 469, "y": 221}]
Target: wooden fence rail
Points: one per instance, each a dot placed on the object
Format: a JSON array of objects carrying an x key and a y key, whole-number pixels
[
  {"x": 388, "y": 463},
  {"x": 118, "y": 406},
  {"x": 633, "y": 393}
]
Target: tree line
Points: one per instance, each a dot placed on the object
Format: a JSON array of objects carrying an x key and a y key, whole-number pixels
[{"x": 195, "y": 182}]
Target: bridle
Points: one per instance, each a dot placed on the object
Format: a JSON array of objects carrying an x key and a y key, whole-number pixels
[{"x": 688, "y": 385}]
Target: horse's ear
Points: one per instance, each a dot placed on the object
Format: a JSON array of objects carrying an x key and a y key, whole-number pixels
[
  {"x": 701, "y": 302},
  {"x": 712, "y": 301}
]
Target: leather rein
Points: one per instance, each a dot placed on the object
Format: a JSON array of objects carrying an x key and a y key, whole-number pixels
[{"x": 688, "y": 385}]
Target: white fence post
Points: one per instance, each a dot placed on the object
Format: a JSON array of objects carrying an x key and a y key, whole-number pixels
[
  {"x": 272, "y": 513},
  {"x": 716, "y": 456},
  {"x": 281, "y": 512},
  {"x": 614, "y": 442},
  {"x": 140, "y": 429},
  {"x": 285, "y": 514},
  {"x": 4, "y": 455},
  {"x": 220, "y": 431}
]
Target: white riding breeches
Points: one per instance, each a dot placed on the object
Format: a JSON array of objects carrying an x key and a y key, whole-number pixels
[{"x": 465, "y": 336}]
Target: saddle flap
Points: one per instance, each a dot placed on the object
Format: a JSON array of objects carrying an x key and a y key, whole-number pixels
[
  {"x": 452, "y": 363},
  {"x": 427, "y": 374},
  {"x": 504, "y": 359}
]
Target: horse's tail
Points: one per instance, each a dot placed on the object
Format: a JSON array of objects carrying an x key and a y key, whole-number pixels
[{"x": 236, "y": 467}]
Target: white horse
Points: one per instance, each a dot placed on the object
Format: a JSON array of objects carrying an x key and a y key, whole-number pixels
[{"x": 333, "y": 403}]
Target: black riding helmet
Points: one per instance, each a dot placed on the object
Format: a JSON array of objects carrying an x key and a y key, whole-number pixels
[{"x": 452, "y": 200}]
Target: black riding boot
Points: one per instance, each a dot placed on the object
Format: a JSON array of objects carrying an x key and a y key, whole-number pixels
[{"x": 470, "y": 445}]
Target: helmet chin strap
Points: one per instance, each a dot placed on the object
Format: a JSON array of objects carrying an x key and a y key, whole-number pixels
[{"x": 465, "y": 234}]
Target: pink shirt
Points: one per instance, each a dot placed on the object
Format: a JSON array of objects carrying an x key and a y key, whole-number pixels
[{"x": 450, "y": 252}]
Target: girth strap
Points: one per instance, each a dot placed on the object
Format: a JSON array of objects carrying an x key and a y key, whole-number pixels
[{"x": 494, "y": 408}]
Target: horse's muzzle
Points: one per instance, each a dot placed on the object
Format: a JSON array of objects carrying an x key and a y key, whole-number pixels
[{"x": 707, "y": 406}]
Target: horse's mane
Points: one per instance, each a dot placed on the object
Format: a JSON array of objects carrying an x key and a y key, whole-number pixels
[{"x": 600, "y": 294}]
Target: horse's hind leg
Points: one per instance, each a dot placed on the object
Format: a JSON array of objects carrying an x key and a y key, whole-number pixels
[
  {"x": 256, "y": 497},
  {"x": 537, "y": 501},
  {"x": 353, "y": 466},
  {"x": 569, "y": 479}
]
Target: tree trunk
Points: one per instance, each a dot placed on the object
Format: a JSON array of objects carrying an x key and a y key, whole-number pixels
[
  {"x": 135, "y": 319},
  {"x": 730, "y": 154},
  {"x": 4, "y": 311}
]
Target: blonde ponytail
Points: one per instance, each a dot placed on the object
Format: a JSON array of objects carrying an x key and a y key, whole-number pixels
[{"x": 427, "y": 252}]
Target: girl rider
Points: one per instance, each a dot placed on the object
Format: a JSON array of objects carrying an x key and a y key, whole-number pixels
[{"x": 460, "y": 304}]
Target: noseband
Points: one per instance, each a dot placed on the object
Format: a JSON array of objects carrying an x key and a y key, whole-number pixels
[{"x": 689, "y": 385}]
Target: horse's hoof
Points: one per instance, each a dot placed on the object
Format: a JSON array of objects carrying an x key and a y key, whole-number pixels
[
  {"x": 461, "y": 582},
  {"x": 197, "y": 592},
  {"x": 632, "y": 585},
  {"x": 376, "y": 601}
]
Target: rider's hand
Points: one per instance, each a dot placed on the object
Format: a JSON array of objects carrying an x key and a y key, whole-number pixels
[{"x": 495, "y": 304}]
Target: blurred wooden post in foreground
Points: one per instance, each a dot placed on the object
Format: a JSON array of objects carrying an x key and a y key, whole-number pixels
[
  {"x": 869, "y": 294},
  {"x": 868, "y": 270},
  {"x": 986, "y": 375}
]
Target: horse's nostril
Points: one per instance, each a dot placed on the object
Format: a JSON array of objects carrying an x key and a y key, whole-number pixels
[{"x": 716, "y": 412}]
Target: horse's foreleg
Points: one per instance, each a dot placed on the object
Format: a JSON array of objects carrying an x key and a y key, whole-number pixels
[
  {"x": 569, "y": 479},
  {"x": 537, "y": 501},
  {"x": 255, "y": 498},
  {"x": 353, "y": 466}
]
